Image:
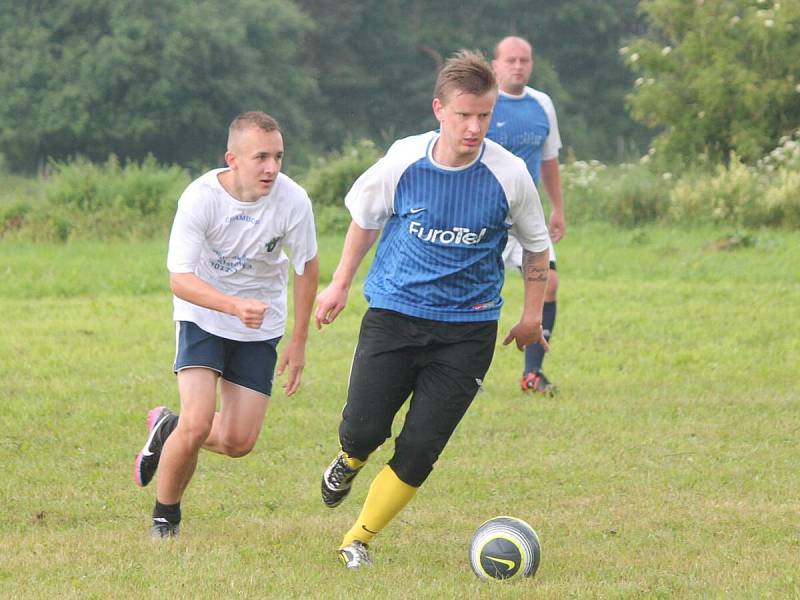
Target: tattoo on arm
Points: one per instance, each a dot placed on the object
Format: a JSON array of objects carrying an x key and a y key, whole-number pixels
[{"x": 531, "y": 270}]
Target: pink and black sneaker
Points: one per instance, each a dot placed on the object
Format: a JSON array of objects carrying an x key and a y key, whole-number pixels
[{"x": 161, "y": 421}]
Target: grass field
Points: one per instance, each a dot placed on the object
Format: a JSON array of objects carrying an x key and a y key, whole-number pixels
[{"x": 666, "y": 468}]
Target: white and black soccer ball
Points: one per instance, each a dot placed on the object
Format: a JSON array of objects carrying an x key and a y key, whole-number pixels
[{"x": 505, "y": 547}]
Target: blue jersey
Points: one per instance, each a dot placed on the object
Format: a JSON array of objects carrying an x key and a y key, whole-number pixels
[
  {"x": 526, "y": 125},
  {"x": 444, "y": 229}
]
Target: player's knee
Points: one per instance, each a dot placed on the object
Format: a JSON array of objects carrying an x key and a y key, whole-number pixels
[
  {"x": 237, "y": 446},
  {"x": 413, "y": 465},
  {"x": 238, "y": 450},
  {"x": 361, "y": 441},
  {"x": 194, "y": 430}
]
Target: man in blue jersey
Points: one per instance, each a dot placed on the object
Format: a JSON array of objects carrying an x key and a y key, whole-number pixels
[
  {"x": 445, "y": 201},
  {"x": 524, "y": 122}
]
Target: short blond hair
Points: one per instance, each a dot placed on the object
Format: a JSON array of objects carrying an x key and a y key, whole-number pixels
[
  {"x": 465, "y": 71},
  {"x": 253, "y": 118}
]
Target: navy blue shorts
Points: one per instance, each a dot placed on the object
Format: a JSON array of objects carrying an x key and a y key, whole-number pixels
[{"x": 249, "y": 364}]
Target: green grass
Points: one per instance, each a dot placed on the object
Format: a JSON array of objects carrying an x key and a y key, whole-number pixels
[{"x": 666, "y": 468}]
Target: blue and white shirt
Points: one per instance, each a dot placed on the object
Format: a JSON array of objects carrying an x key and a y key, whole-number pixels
[
  {"x": 444, "y": 229},
  {"x": 527, "y": 126}
]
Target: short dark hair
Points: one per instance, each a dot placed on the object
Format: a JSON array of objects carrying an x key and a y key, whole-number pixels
[
  {"x": 253, "y": 118},
  {"x": 467, "y": 72}
]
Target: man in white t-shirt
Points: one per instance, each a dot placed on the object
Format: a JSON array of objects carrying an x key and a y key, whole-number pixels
[
  {"x": 524, "y": 122},
  {"x": 229, "y": 275}
]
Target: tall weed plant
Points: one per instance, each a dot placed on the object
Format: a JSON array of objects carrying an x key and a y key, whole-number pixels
[
  {"x": 729, "y": 195},
  {"x": 764, "y": 194}
]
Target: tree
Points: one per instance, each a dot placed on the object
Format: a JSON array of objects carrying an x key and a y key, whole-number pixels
[
  {"x": 134, "y": 77},
  {"x": 377, "y": 62},
  {"x": 717, "y": 77},
  {"x": 131, "y": 77}
]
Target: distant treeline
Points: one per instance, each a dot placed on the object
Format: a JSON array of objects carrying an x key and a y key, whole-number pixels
[
  {"x": 165, "y": 77},
  {"x": 715, "y": 82}
]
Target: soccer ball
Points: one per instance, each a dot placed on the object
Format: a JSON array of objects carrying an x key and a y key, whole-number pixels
[{"x": 504, "y": 547}]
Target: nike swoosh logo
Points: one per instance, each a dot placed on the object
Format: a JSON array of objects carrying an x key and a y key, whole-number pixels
[
  {"x": 414, "y": 211},
  {"x": 146, "y": 449},
  {"x": 501, "y": 124},
  {"x": 364, "y": 527},
  {"x": 509, "y": 563}
]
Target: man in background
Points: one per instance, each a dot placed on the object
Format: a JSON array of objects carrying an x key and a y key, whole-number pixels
[{"x": 524, "y": 122}]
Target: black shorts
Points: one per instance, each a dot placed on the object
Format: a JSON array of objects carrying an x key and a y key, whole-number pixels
[
  {"x": 249, "y": 364},
  {"x": 441, "y": 365}
]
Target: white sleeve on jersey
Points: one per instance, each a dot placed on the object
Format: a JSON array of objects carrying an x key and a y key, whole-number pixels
[
  {"x": 370, "y": 200},
  {"x": 552, "y": 144},
  {"x": 188, "y": 232},
  {"x": 526, "y": 215},
  {"x": 301, "y": 236}
]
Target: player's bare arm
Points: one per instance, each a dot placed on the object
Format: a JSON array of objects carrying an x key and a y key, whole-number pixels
[
  {"x": 551, "y": 178},
  {"x": 294, "y": 356},
  {"x": 334, "y": 298},
  {"x": 535, "y": 270},
  {"x": 191, "y": 288}
]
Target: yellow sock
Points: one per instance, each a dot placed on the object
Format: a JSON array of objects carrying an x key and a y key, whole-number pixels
[
  {"x": 387, "y": 497},
  {"x": 353, "y": 462}
]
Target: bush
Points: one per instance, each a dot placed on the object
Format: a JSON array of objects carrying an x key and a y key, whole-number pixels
[
  {"x": 331, "y": 219},
  {"x": 35, "y": 224},
  {"x": 83, "y": 200},
  {"x": 747, "y": 196},
  {"x": 101, "y": 201},
  {"x": 48, "y": 226},
  {"x": 147, "y": 188},
  {"x": 728, "y": 195},
  {"x": 13, "y": 216},
  {"x": 81, "y": 184},
  {"x": 328, "y": 179},
  {"x": 628, "y": 195},
  {"x": 782, "y": 200}
]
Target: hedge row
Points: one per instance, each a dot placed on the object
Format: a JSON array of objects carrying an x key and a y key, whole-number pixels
[{"x": 80, "y": 199}]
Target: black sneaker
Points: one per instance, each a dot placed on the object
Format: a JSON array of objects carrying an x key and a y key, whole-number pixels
[
  {"x": 355, "y": 555},
  {"x": 160, "y": 423},
  {"x": 336, "y": 481},
  {"x": 537, "y": 382},
  {"x": 163, "y": 529}
]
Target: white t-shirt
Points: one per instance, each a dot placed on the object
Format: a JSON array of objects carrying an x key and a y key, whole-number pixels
[{"x": 238, "y": 248}]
